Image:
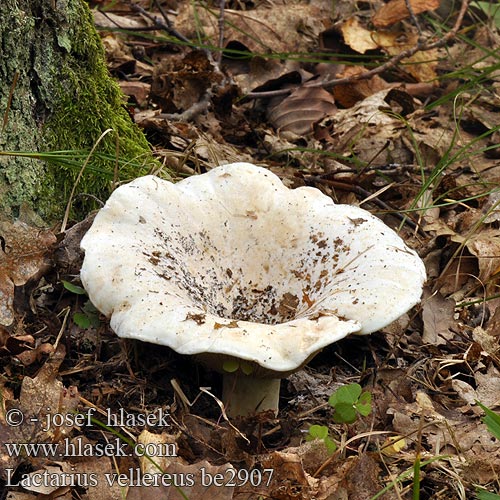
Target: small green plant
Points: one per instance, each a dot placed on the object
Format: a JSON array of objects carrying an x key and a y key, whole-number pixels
[
  {"x": 349, "y": 402},
  {"x": 492, "y": 422},
  {"x": 490, "y": 9},
  {"x": 321, "y": 432},
  {"x": 88, "y": 315},
  {"x": 486, "y": 495}
]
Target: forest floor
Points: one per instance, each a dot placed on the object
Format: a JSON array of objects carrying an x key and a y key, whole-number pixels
[{"x": 394, "y": 112}]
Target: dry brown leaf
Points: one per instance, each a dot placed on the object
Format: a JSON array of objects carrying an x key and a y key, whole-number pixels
[
  {"x": 32, "y": 482},
  {"x": 14, "y": 345},
  {"x": 354, "y": 34},
  {"x": 309, "y": 388},
  {"x": 102, "y": 469},
  {"x": 348, "y": 95},
  {"x": 437, "y": 315},
  {"x": 45, "y": 395},
  {"x": 485, "y": 245},
  {"x": 120, "y": 58},
  {"x": 464, "y": 390},
  {"x": 459, "y": 275},
  {"x": 313, "y": 454},
  {"x": 488, "y": 387},
  {"x": 160, "y": 462},
  {"x": 439, "y": 227},
  {"x": 396, "y": 10},
  {"x": 446, "y": 430},
  {"x": 293, "y": 470},
  {"x": 69, "y": 255},
  {"x": 477, "y": 56},
  {"x": 463, "y": 435},
  {"x": 138, "y": 90},
  {"x": 271, "y": 27},
  {"x": 17, "y": 495},
  {"x": 22, "y": 257},
  {"x": 357, "y": 37},
  {"x": 369, "y": 131},
  {"x": 30, "y": 356},
  {"x": 92, "y": 475},
  {"x": 421, "y": 65},
  {"x": 40, "y": 396},
  {"x": 288, "y": 474},
  {"x": 493, "y": 326},
  {"x": 216, "y": 153},
  {"x": 181, "y": 81},
  {"x": 259, "y": 73},
  {"x": 482, "y": 468},
  {"x": 362, "y": 478},
  {"x": 199, "y": 481},
  {"x": 488, "y": 339},
  {"x": 492, "y": 207},
  {"x": 300, "y": 110},
  {"x": 360, "y": 39}
]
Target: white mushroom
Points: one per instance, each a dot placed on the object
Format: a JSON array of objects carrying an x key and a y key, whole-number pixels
[{"x": 232, "y": 265}]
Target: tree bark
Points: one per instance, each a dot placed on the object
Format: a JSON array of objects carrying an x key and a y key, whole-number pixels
[{"x": 56, "y": 94}]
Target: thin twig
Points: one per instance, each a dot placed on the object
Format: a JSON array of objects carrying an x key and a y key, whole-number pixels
[
  {"x": 165, "y": 26},
  {"x": 222, "y": 7},
  {"x": 393, "y": 61},
  {"x": 163, "y": 13},
  {"x": 413, "y": 17},
  {"x": 194, "y": 110}
]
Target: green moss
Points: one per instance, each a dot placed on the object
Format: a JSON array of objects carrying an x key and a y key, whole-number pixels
[
  {"x": 89, "y": 102},
  {"x": 64, "y": 99}
]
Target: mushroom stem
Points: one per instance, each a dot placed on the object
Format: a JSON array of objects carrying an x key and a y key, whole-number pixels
[{"x": 244, "y": 395}]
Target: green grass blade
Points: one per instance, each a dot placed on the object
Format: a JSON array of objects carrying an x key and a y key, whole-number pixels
[{"x": 492, "y": 420}]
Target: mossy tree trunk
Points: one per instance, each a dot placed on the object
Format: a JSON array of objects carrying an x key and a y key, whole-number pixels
[{"x": 56, "y": 94}]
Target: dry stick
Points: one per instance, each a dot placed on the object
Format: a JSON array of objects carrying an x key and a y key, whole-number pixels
[
  {"x": 222, "y": 6},
  {"x": 166, "y": 26},
  {"x": 193, "y": 111},
  {"x": 419, "y": 47},
  {"x": 413, "y": 17},
  {"x": 163, "y": 13}
]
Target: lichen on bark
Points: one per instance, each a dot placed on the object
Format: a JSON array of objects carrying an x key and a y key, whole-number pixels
[{"x": 63, "y": 98}]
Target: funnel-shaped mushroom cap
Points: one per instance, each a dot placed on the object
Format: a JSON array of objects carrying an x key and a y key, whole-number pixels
[{"x": 235, "y": 263}]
